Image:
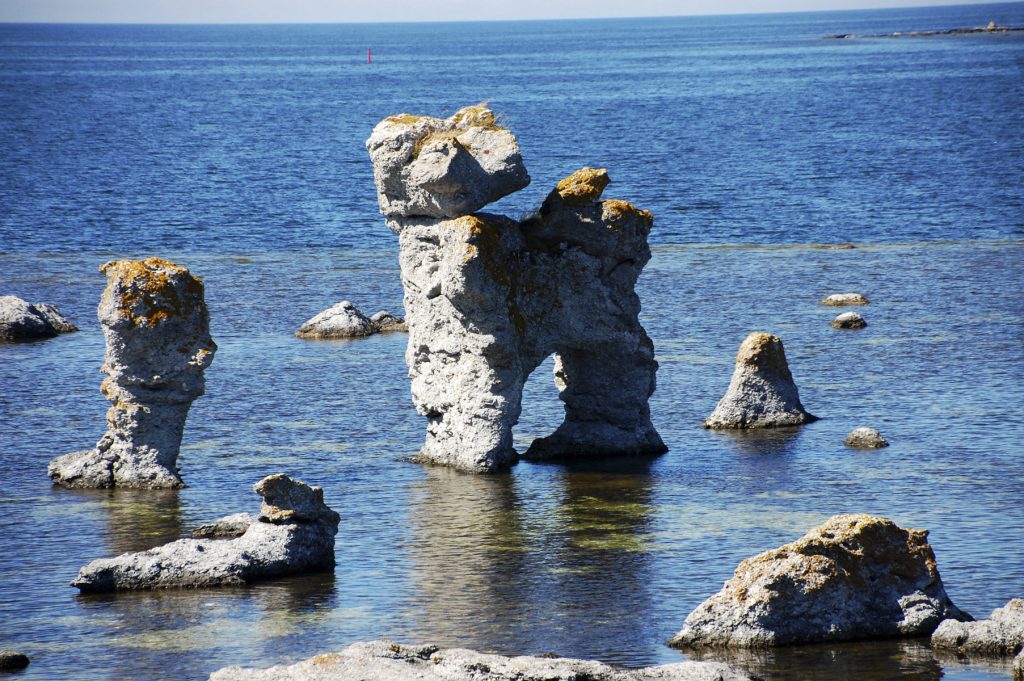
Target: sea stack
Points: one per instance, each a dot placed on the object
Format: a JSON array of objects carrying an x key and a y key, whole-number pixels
[
  {"x": 762, "y": 393},
  {"x": 157, "y": 332},
  {"x": 854, "y": 577},
  {"x": 294, "y": 534},
  {"x": 488, "y": 298}
]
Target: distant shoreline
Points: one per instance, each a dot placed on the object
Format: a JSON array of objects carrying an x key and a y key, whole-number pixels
[{"x": 991, "y": 28}]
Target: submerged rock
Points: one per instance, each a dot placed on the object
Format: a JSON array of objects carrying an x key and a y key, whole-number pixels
[
  {"x": 762, "y": 393},
  {"x": 849, "y": 320},
  {"x": 865, "y": 438},
  {"x": 387, "y": 661},
  {"x": 488, "y": 299},
  {"x": 385, "y": 322},
  {"x": 343, "y": 320},
  {"x": 23, "y": 321},
  {"x": 853, "y": 577},
  {"x": 841, "y": 299},
  {"x": 294, "y": 535},
  {"x": 1001, "y": 635},
  {"x": 11, "y": 661},
  {"x": 157, "y": 331}
]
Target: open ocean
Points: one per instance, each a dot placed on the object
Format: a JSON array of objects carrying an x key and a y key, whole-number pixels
[{"x": 238, "y": 151}]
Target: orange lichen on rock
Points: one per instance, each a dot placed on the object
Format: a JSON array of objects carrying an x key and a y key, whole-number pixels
[
  {"x": 148, "y": 291},
  {"x": 614, "y": 210},
  {"x": 583, "y": 187},
  {"x": 476, "y": 116}
]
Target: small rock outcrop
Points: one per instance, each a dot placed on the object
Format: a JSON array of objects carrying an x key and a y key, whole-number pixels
[
  {"x": 345, "y": 320},
  {"x": 11, "y": 661},
  {"x": 843, "y": 299},
  {"x": 849, "y": 320},
  {"x": 387, "y": 661},
  {"x": 1000, "y": 635},
  {"x": 23, "y": 321},
  {"x": 488, "y": 298},
  {"x": 762, "y": 393},
  {"x": 854, "y": 577},
  {"x": 294, "y": 535},
  {"x": 157, "y": 331},
  {"x": 865, "y": 438}
]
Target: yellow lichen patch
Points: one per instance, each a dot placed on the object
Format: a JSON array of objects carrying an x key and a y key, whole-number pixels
[
  {"x": 147, "y": 290},
  {"x": 476, "y": 116},
  {"x": 403, "y": 119},
  {"x": 326, "y": 658},
  {"x": 614, "y": 210},
  {"x": 433, "y": 138},
  {"x": 583, "y": 187}
]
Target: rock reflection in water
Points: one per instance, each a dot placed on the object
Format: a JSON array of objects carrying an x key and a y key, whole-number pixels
[
  {"x": 910, "y": 660},
  {"x": 766, "y": 441},
  {"x": 497, "y": 560},
  {"x": 137, "y": 519}
]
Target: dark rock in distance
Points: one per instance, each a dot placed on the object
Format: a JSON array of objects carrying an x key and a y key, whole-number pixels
[{"x": 11, "y": 661}]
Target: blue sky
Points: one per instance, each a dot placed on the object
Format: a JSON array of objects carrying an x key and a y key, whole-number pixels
[{"x": 343, "y": 11}]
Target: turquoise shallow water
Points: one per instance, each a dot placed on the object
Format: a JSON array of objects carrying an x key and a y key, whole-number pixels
[{"x": 237, "y": 151}]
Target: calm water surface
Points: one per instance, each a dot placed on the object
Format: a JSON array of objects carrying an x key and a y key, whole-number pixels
[{"x": 238, "y": 151}]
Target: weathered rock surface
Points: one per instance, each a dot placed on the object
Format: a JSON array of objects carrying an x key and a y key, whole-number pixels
[
  {"x": 157, "y": 331},
  {"x": 228, "y": 527},
  {"x": 1018, "y": 666},
  {"x": 488, "y": 299},
  {"x": 387, "y": 661},
  {"x": 386, "y": 322},
  {"x": 343, "y": 320},
  {"x": 11, "y": 661},
  {"x": 444, "y": 168},
  {"x": 865, "y": 438},
  {"x": 762, "y": 393},
  {"x": 294, "y": 535},
  {"x": 1001, "y": 635},
  {"x": 23, "y": 321},
  {"x": 849, "y": 320},
  {"x": 841, "y": 299},
  {"x": 853, "y": 577}
]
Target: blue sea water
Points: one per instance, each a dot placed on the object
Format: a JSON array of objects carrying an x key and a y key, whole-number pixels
[{"x": 238, "y": 151}]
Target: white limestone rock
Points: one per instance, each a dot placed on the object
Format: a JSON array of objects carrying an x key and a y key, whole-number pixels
[
  {"x": 386, "y": 661},
  {"x": 294, "y": 535},
  {"x": 849, "y": 320},
  {"x": 762, "y": 393},
  {"x": 386, "y": 322},
  {"x": 854, "y": 577},
  {"x": 343, "y": 320},
  {"x": 157, "y": 332},
  {"x": 23, "y": 321},
  {"x": 842, "y": 299},
  {"x": 487, "y": 299},
  {"x": 444, "y": 168},
  {"x": 1000, "y": 635},
  {"x": 865, "y": 438}
]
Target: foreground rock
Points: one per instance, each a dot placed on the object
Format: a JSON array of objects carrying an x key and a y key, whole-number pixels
[
  {"x": 11, "y": 661},
  {"x": 23, "y": 321},
  {"x": 841, "y": 299},
  {"x": 849, "y": 320},
  {"x": 762, "y": 393},
  {"x": 387, "y": 661},
  {"x": 865, "y": 438},
  {"x": 853, "y": 577},
  {"x": 488, "y": 298},
  {"x": 1001, "y": 635},
  {"x": 157, "y": 331},
  {"x": 293, "y": 535}
]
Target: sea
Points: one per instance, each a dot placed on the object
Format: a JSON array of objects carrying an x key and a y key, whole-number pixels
[{"x": 764, "y": 150}]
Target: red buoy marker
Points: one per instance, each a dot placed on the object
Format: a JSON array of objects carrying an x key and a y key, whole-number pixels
[{"x": 369, "y": 56}]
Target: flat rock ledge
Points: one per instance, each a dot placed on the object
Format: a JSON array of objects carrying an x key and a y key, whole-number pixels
[
  {"x": 865, "y": 438},
  {"x": 11, "y": 661},
  {"x": 386, "y": 661},
  {"x": 843, "y": 299},
  {"x": 345, "y": 320},
  {"x": 23, "y": 321},
  {"x": 1000, "y": 635},
  {"x": 762, "y": 393},
  {"x": 294, "y": 534},
  {"x": 849, "y": 320},
  {"x": 855, "y": 577}
]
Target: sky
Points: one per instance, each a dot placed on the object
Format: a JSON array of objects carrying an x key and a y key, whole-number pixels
[{"x": 346, "y": 11}]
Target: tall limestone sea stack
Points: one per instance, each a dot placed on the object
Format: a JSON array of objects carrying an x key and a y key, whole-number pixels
[
  {"x": 488, "y": 298},
  {"x": 157, "y": 331}
]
